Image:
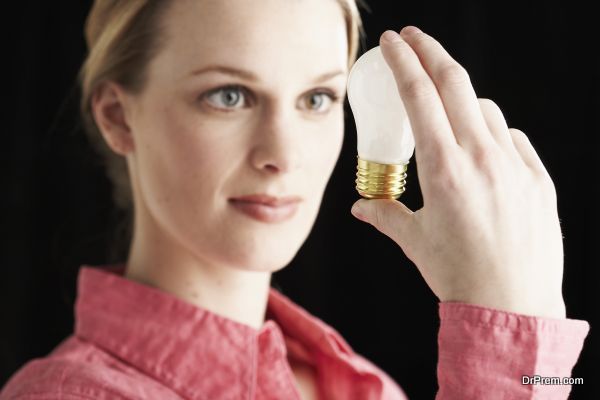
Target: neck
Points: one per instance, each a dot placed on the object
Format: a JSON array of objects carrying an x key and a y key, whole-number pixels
[{"x": 157, "y": 260}]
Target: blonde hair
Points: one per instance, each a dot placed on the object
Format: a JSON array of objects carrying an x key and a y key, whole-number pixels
[{"x": 122, "y": 37}]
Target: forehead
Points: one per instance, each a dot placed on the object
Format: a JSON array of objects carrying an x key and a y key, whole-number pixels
[{"x": 269, "y": 37}]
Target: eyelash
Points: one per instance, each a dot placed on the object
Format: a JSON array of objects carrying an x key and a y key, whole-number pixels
[{"x": 332, "y": 95}]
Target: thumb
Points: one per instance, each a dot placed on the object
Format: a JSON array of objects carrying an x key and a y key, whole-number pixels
[{"x": 390, "y": 217}]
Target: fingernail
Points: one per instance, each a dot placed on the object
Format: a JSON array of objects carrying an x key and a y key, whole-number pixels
[
  {"x": 357, "y": 211},
  {"x": 391, "y": 36},
  {"x": 409, "y": 30}
]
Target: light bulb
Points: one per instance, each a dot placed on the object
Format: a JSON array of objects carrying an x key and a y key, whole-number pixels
[{"x": 385, "y": 138}]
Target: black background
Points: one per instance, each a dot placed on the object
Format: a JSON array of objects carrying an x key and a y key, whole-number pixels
[{"x": 538, "y": 61}]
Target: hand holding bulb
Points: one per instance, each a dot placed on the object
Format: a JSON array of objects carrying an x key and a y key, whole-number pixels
[{"x": 488, "y": 232}]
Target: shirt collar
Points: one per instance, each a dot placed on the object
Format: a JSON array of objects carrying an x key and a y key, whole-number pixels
[{"x": 195, "y": 352}]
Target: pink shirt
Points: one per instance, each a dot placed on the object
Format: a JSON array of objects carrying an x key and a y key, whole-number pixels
[{"x": 132, "y": 341}]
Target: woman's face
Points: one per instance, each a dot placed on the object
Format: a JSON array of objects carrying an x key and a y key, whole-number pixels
[{"x": 244, "y": 97}]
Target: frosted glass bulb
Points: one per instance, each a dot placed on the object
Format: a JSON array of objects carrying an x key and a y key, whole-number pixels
[{"x": 385, "y": 138}]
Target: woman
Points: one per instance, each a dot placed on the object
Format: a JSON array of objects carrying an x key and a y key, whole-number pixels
[{"x": 222, "y": 123}]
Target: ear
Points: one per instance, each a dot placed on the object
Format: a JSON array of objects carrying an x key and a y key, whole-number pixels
[{"x": 108, "y": 106}]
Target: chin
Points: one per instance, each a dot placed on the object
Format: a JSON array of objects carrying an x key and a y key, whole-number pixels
[
  {"x": 268, "y": 262},
  {"x": 262, "y": 247}
]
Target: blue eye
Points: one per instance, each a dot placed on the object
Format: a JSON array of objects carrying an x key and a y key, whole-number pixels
[
  {"x": 230, "y": 97},
  {"x": 316, "y": 100},
  {"x": 320, "y": 101},
  {"x": 234, "y": 97}
]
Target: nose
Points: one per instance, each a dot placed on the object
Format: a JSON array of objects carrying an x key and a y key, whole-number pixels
[{"x": 276, "y": 148}]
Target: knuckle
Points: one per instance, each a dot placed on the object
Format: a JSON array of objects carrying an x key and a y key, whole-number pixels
[
  {"x": 449, "y": 182},
  {"x": 446, "y": 175},
  {"x": 452, "y": 74},
  {"x": 486, "y": 161},
  {"x": 418, "y": 88},
  {"x": 490, "y": 108},
  {"x": 488, "y": 104},
  {"x": 484, "y": 156},
  {"x": 440, "y": 161},
  {"x": 542, "y": 186},
  {"x": 518, "y": 134},
  {"x": 547, "y": 184}
]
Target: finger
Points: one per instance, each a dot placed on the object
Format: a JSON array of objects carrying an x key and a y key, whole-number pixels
[
  {"x": 431, "y": 128},
  {"x": 497, "y": 124},
  {"x": 526, "y": 151},
  {"x": 390, "y": 217},
  {"x": 454, "y": 87}
]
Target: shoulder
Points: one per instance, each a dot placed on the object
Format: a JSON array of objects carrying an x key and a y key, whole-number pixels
[
  {"x": 78, "y": 370},
  {"x": 51, "y": 378}
]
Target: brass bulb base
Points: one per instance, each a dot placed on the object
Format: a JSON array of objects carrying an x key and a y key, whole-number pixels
[{"x": 380, "y": 181}]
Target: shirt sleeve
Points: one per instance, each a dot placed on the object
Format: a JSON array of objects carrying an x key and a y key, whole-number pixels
[{"x": 491, "y": 354}]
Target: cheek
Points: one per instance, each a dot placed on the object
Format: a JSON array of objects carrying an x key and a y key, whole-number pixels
[
  {"x": 321, "y": 156},
  {"x": 328, "y": 144},
  {"x": 183, "y": 161}
]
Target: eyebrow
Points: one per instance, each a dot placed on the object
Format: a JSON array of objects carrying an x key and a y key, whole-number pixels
[{"x": 247, "y": 75}]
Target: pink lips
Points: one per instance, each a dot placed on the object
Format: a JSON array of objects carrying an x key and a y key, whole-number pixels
[{"x": 267, "y": 208}]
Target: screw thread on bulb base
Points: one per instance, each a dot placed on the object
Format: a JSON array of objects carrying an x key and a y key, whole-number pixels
[{"x": 380, "y": 181}]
